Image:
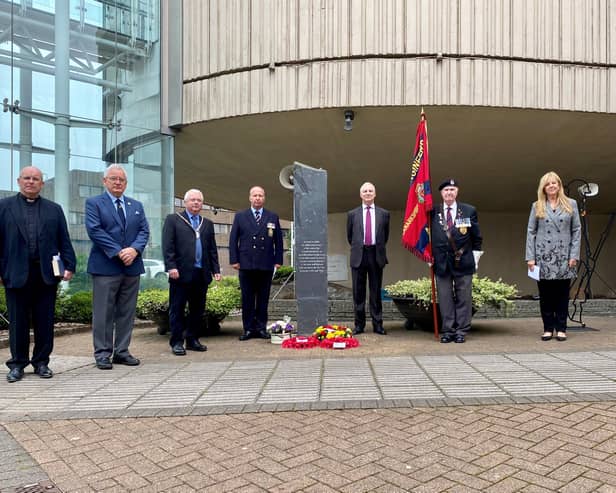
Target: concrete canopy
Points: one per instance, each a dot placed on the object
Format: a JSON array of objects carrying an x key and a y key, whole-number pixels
[{"x": 497, "y": 154}]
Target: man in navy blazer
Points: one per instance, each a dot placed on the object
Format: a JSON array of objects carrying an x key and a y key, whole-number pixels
[
  {"x": 119, "y": 231},
  {"x": 367, "y": 233},
  {"x": 456, "y": 247},
  {"x": 32, "y": 231},
  {"x": 255, "y": 249},
  {"x": 191, "y": 259}
]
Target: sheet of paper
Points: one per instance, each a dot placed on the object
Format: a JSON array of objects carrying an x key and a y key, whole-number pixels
[{"x": 534, "y": 274}]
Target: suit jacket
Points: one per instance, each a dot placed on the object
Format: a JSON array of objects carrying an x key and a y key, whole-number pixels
[
  {"x": 355, "y": 235},
  {"x": 553, "y": 240},
  {"x": 255, "y": 246},
  {"x": 465, "y": 238},
  {"x": 52, "y": 238},
  {"x": 179, "y": 248},
  {"x": 109, "y": 237}
]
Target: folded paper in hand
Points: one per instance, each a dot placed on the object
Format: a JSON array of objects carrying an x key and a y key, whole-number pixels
[
  {"x": 534, "y": 274},
  {"x": 57, "y": 266}
]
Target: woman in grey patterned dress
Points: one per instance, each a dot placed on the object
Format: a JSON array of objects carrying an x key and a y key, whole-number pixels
[{"x": 553, "y": 246}]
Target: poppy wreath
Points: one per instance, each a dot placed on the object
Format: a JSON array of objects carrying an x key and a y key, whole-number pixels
[
  {"x": 324, "y": 336},
  {"x": 300, "y": 342}
]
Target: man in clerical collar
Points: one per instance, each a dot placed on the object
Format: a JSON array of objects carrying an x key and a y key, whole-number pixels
[{"x": 28, "y": 253}]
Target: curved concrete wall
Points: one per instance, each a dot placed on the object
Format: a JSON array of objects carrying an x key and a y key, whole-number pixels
[{"x": 245, "y": 57}]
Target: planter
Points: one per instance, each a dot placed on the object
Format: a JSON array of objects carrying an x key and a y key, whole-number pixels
[
  {"x": 417, "y": 314},
  {"x": 211, "y": 324},
  {"x": 162, "y": 322},
  {"x": 279, "y": 338}
]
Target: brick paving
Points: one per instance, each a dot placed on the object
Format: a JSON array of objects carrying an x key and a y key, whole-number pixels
[
  {"x": 402, "y": 413},
  {"x": 538, "y": 447}
]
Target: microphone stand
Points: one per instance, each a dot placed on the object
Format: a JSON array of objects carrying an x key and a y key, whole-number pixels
[{"x": 588, "y": 264}]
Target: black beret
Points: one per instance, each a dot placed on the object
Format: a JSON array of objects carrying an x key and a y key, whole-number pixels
[{"x": 449, "y": 182}]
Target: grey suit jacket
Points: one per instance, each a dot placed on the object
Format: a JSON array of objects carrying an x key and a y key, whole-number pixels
[
  {"x": 553, "y": 240},
  {"x": 355, "y": 235}
]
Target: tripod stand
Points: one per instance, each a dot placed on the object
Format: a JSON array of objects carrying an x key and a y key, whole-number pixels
[{"x": 588, "y": 264}]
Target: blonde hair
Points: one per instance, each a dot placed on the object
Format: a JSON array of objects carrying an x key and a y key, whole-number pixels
[{"x": 542, "y": 198}]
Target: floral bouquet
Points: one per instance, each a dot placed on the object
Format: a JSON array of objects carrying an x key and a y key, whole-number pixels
[
  {"x": 335, "y": 337},
  {"x": 281, "y": 330},
  {"x": 332, "y": 332},
  {"x": 282, "y": 327}
]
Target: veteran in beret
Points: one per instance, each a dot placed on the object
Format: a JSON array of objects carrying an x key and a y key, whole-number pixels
[{"x": 456, "y": 247}]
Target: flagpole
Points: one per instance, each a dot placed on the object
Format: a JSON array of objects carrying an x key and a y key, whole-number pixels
[{"x": 434, "y": 308}]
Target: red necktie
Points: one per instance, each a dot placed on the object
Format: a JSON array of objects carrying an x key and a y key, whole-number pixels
[
  {"x": 449, "y": 219},
  {"x": 368, "y": 231}
]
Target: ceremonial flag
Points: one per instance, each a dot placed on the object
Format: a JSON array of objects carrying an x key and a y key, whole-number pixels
[{"x": 415, "y": 230}]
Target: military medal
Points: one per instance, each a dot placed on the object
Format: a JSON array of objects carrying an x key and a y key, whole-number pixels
[{"x": 463, "y": 224}]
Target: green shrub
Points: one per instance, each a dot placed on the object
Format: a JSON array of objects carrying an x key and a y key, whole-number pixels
[
  {"x": 152, "y": 302},
  {"x": 497, "y": 294},
  {"x": 282, "y": 273},
  {"x": 223, "y": 297},
  {"x": 75, "y": 307}
]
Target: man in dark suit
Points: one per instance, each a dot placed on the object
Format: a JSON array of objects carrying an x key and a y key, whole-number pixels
[
  {"x": 456, "y": 246},
  {"x": 367, "y": 233},
  {"x": 119, "y": 231},
  {"x": 191, "y": 259},
  {"x": 32, "y": 231},
  {"x": 255, "y": 249}
]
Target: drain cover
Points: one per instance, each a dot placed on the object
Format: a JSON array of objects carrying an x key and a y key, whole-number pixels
[{"x": 41, "y": 487}]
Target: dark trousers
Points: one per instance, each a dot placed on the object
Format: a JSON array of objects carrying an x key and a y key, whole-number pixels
[
  {"x": 180, "y": 293},
  {"x": 255, "y": 286},
  {"x": 554, "y": 303},
  {"x": 369, "y": 271},
  {"x": 455, "y": 301},
  {"x": 34, "y": 302}
]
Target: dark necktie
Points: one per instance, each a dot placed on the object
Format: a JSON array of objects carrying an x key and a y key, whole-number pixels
[
  {"x": 258, "y": 216},
  {"x": 121, "y": 213},
  {"x": 449, "y": 219},
  {"x": 368, "y": 231}
]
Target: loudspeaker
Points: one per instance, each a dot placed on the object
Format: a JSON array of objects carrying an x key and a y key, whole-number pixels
[{"x": 286, "y": 177}]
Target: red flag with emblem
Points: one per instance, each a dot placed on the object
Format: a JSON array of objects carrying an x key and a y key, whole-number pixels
[{"x": 415, "y": 230}]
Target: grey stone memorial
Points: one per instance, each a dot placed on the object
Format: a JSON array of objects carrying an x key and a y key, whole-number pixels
[{"x": 309, "y": 187}]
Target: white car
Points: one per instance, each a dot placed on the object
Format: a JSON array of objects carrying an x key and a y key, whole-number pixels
[{"x": 154, "y": 269}]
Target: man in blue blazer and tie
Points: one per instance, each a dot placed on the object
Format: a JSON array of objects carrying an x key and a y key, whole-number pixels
[
  {"x": 255, "y": 249},
  {"x": 119, "y": 231},
  {"x": 32, "y": 231}
]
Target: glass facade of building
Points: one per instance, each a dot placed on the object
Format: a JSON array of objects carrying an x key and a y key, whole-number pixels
[{"x": 80, "y": 85}]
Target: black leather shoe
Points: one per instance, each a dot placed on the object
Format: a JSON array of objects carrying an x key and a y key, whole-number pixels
[
  {"x": 15, "y": 375},
  {"x": 104, "y": 364},
  {"x": 358, "y": 330},
  {"x": 245, "y": 336},
  {"x": 380, "y": 330},
  {"x": 445, "y": 338},
  {"x": 264, "y": 334},
  {"x": 128, "y": 360},
  {"x": 459, "y": 339},
  {"x": 178, "y": 349},
  {"x": 43, "y": 371},
  {"x": 196, "y": 346}
]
